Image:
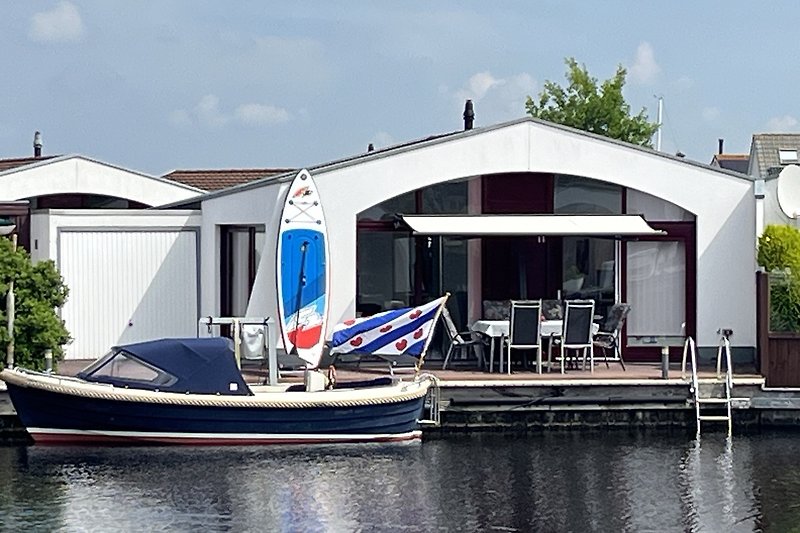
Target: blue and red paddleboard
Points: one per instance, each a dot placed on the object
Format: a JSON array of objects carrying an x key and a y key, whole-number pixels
[{"x": 302, "y": 259}]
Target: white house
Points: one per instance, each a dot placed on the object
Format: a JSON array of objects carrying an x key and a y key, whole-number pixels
[
  {"x": 700, "y": 274},
  {"x": 138, "y": 273}
]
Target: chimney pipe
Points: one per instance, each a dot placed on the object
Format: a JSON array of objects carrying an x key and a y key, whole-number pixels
[
  {"x": 37, "y": 144},
  {"x": 469, "y": 115},
  {"x": 721, "y": 141}
]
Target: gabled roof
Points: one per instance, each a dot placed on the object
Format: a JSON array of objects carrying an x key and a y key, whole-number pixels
[
  {"x": 6, "y": 164},
  {"x": 442, "y": 138},
  {"x": 35, "y": 162},
  {"x": 764, "y": 152},
  {"x": 214, "y": 180},
  {"x": 734, "y": 162}
]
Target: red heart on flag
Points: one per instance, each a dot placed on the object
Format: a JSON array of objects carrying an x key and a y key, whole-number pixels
[
  {"x": 357, "y": 341},
  {"x": 418, "y": 333},
  {"x": 349, "y": 322},
  {"x": 401, "y": 344},
  {"x": 386, "y": 328},
  {"x": 415, "y": 314}
]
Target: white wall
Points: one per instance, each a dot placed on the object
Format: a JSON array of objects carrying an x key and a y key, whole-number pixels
[
  {"x": 132, "y": 275},
  {"x": 723, "y": 204},
  {"x": 256, "y": 206},
  {"x": 78, "y": 175}
]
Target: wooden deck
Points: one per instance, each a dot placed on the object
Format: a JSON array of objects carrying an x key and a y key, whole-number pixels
[
  {"x": 637, "y": 397},
  {"x": 634, "y": 372}
]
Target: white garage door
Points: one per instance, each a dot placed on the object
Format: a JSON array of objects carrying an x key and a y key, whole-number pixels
[{"x": 127, "y": 286}]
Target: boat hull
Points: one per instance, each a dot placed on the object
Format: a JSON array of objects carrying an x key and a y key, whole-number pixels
[{"x": 62, "y": 418}]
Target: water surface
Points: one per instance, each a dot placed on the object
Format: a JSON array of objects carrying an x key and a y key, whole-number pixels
[{"x": 555, "y": 482}]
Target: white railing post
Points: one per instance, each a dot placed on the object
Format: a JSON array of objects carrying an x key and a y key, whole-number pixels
[
  {"x": 269, "y": 336},
  {"x": 272, "y": 350}
]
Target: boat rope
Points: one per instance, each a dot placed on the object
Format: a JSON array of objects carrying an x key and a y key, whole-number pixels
[{"x": 407, "y": 391}]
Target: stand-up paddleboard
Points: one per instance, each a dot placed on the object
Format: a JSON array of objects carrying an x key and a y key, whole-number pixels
[{"x": 303, "y": 283}]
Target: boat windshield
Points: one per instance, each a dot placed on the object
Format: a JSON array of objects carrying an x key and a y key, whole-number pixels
[{"x": 120, "y": 365}]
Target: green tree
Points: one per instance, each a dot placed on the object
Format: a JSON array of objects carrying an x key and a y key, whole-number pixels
[
  {"x": 598, "y": 109},
  {"x": 38, "y": 290}
]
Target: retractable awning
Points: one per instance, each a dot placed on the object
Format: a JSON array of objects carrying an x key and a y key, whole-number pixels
[{"x": 530, "y": 225}]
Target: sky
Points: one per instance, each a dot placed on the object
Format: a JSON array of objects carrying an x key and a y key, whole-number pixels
[{"x": 154, "y": 86}]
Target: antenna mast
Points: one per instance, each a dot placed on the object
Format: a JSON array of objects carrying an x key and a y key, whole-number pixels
[{"x": 660, "y": 122}]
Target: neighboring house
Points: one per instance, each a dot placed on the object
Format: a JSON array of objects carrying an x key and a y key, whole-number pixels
[
  {"x": 214, "y": 180},
  {"x": 770, "y": 155},
  {"x": 771, "y": 152},
  {"x": 735, "y": 162},
  {"x": 526, "y": 166},
  {"x": 132, "y": 273}
]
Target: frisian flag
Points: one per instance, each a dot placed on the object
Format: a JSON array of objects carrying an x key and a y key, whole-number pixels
[{"x": 405, "y": 331}]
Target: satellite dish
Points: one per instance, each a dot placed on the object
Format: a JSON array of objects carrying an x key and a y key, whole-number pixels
[{"x": 789, "y": 191}]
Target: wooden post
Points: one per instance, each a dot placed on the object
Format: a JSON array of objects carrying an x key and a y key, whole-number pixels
[{"x": 762, "y": 324}]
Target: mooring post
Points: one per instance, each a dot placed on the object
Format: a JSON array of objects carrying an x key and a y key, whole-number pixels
[{"x": 665, "y": 362}]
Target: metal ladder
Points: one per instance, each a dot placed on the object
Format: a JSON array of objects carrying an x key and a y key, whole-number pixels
[
  {"x": 432, "y": 402},
  {"x": 714, "y": 400}
]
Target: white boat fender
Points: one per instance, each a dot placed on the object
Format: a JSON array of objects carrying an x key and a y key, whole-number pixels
[{"x": 315, "y": 380}]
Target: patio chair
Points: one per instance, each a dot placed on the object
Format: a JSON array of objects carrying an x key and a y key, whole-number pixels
[
  {"x": 608, "y": 338},
  {"x": 525, "y": 331},
  {"x": 576, "y": 333},
  {"x": 460, "y": 341}
]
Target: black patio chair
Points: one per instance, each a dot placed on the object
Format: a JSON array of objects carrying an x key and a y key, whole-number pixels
[
  {"x": 608, "y": 338},
  {"x": 460, "y": 341},
  {"x": 576, "y": 333},
  {"x": 524, "y": 331}
]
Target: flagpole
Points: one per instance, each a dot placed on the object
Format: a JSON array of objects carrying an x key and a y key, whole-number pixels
[{"x": 430, "y": 336}]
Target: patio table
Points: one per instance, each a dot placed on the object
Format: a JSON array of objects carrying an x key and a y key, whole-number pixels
[{"x": 498, "y": 330}]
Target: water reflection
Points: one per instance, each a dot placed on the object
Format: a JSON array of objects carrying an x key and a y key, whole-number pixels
[{"x": 554, "y": 482}]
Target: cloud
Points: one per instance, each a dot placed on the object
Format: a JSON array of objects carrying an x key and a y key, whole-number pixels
[
  {"x": 210, "y": 114},
  {"x": 499, "y": 98},
  {"x": 478, "y": 85},
  {"x": 59, "y": 25},
  {"x": 710, "y": 114},
  {"x": 261, "y": 114},
  {"x": 782, "y": 124},
  {"x": 644, "y": 69}
]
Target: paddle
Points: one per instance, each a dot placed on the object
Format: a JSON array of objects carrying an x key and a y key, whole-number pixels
[{"x": 299, "y": 302}]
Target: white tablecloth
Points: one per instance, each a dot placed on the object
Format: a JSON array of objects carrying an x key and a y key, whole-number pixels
[{"x": 499, "y": 328}]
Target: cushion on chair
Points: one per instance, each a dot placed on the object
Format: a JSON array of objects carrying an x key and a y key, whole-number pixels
[
  {"x": 496, "y": 309},
  {"x": 552, "y": 309}
]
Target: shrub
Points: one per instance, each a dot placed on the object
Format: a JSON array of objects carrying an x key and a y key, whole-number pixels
[
  {"x": 39, "y": 290},
  {"x": 779, "y": 254}
]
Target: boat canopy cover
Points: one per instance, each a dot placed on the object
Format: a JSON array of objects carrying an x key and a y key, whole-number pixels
[{"x": 193, "y": 365}]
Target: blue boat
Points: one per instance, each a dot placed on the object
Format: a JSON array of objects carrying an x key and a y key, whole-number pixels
[{"x": 190, "y": 391}]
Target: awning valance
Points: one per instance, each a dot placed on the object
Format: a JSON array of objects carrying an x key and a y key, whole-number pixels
[{"x": 519, "y": 225}]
